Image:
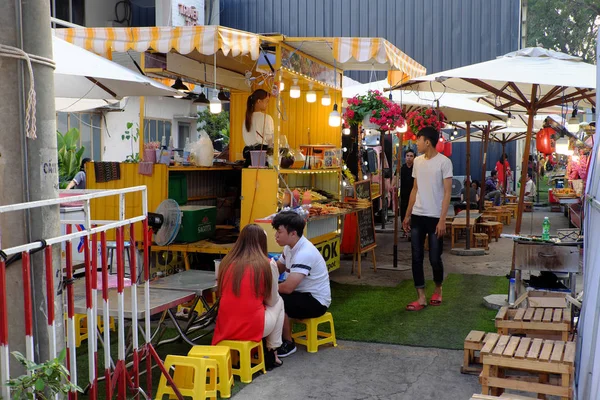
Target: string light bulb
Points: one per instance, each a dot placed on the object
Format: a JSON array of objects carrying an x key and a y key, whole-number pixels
[
  {"x": 281, "y": 86},
  {"x": 311, "y": 95},
  {"x": 455, "y": 132},
  {"x": 326, "y": 99},
  {"x": 509, "y": 119},
  {"x": 335, "y": 119},
  {"x": 215, "y": 105},
  {"x": 365, "y": 177},
  {"x": 295, "y": 89},
  {"x": 366, "y": 163},
  {"x": 345, "y": 149},
  {"x": 402, "y": 129},
  {"x": 346, "y": 131}
]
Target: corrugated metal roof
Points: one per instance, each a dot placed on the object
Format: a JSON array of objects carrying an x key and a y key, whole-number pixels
[{"x": 439, "y": 34}]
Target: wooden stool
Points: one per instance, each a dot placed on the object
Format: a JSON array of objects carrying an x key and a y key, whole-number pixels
[
  {"x": 481, "y": 238},
  {"x": 222, "y": 355},
  {"x": 489, "y": 217},
  {"x": 492, "y": 228},
  {"x": 474, "y": 342},
  {"x": 535, "y": 322},
  {"x": 243, "y": 351},
  {"x": 198, "y": 388},
  {"x": 540, "y": 358},
  {"x": 311, "y": 337},
  {"x": 528, "y": 206}
]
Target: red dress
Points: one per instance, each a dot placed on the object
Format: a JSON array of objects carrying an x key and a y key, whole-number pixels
[{"x": 240, "y": 317}]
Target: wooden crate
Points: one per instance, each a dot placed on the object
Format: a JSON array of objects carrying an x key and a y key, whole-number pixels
[
  {"x": 535, "y": 322},
  {"x": 474, "y": 342},
  {"x": 542, "y": 359}
]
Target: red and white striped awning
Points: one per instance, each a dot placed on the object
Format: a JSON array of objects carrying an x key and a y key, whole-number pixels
[{"x": 206, "y": 40}]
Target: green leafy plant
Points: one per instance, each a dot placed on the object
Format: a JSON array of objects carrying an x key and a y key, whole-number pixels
[
  {"x": 215, "y": 125},
  {"x": 69, "y": 156},
  {"x": 132, "y": 135},
  {"x": 42, "y": 381}
]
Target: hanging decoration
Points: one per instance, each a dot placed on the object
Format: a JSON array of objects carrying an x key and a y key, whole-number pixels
[
  {"x": 544, "y": 141},
  {"x": 425, "y": 117},
  {"x": 374, "y": 108},
  {"x": 448, "y": 149}
]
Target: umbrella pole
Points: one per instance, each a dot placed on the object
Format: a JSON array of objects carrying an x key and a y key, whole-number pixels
[
  {"x": 525, "y": 160},
  {"x": 383, "y": 193},
  {"x": 397, "y": 202},
  {"x": 505, "y": 177},
  {"x": 486, "y": 135},
  {"x": 468, "y": 187}
]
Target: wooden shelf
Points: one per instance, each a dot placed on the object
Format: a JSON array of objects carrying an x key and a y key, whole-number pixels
[
  {"x": 310, "y": 171},
  {"x": 221, "y": 168},
  {"x": 198, "y": 198}
]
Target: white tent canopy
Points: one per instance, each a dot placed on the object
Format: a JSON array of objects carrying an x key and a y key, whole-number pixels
[
  {"x": 558, "y": 77},
  {"x": 81, "y": 74},
  {"x": 456, "y": 107}
]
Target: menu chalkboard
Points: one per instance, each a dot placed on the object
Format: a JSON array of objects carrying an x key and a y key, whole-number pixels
[
  {"x": 362, "y": 190},
  {"x": 366, "y": 229}
]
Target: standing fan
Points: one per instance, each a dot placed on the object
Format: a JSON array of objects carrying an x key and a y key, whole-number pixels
[{"x": 165, "y": 222}]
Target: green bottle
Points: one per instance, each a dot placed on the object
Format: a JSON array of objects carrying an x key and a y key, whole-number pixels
[{"x": 546, "y": 229}]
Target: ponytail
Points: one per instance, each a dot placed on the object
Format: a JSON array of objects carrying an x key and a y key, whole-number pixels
[{"x": 258, "y": 94}]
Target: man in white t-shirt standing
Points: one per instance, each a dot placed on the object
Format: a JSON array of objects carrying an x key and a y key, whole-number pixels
[
  {"x": 306, "y": 292},
  {"x": 426, "y": 214}
]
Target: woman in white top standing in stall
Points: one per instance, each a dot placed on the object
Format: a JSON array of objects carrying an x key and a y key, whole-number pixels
[{"x": 258, "y": 126}]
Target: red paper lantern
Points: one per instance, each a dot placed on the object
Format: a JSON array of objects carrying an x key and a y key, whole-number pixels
[
  {"x": 440, "y": 146},
  {"x": 413, "y": 137},
  {"x": 543, "y": 141},
  {"x": 447, "y": 149}
]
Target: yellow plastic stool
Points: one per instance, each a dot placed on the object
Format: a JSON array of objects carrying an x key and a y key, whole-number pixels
[
  {"x": 199, "y": 388},
  {"x": 242, "y": 351},
  {"x": 311, "y": 337},
  {"x": 222, "y": 355}
]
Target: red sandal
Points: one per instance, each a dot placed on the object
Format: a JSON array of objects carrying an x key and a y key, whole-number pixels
[
  {"x": 415, "y": 306},
  {"x": 436, "y": 299}
]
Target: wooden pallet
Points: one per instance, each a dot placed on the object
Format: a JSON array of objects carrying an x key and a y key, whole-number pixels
[
  {"x": 474, "y": 342},
  {"x": 535, "y": 322},
  {"x": 504, "y": 396},
  {"x": 541, "y": 358}
]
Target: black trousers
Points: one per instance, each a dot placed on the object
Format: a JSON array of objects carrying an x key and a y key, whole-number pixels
[{"x": 419, "y": 227}]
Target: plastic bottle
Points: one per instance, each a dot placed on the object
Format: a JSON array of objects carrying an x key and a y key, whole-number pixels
[
  {"x": 186, "y": 151},
  {"x": 546, "y": 229},
  {"x": 511, "y": 291}
]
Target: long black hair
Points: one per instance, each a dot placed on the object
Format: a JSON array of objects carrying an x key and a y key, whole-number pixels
[
  {"x": 258, "y": 94},
  {"x": 83, "y": 162}
]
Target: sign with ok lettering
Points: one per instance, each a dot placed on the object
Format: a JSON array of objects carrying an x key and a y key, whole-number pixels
[{"x": 330, "y": 250}]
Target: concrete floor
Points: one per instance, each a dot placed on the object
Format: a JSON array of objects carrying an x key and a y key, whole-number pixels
[{"x": 356, "y": 370}]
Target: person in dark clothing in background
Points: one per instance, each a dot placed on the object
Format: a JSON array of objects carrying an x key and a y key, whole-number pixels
[{"x": 406, "y": 183}]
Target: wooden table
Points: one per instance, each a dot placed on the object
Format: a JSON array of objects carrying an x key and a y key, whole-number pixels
[
  {"x": 511, "y": 199},
  {"x": 202, "y": 246},
  {"x": 460, "y": 222}
]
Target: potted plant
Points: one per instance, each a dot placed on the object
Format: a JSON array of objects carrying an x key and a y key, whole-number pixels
[
  {"x": 424, "y": 117},
  {"x": 373, "y": 111},
  {"x": 69, "y": 156}
]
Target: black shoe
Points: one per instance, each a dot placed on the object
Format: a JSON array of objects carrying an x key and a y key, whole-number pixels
[{"x": 287, "y": 349}]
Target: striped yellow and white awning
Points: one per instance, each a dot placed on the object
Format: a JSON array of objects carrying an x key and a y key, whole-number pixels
[
  {"x": 206, "y": 40},
  {"x": 363, "y": 50}
]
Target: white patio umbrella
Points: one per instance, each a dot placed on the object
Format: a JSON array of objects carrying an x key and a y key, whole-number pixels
[
  {"x": 456, "y": 107},
  {"x": 81, "y": 74},
  {"x": 528, "y": 80}
]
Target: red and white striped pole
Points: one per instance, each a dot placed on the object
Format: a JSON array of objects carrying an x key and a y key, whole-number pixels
[
  {"x": 71, "y": 349},
  {"x": 50, "y": 300},
  {"x": 94, "y": 273},
  {"x": 27, "y": 303},
  {"x": 89, "y": 304},
  {"x": 134, "y": 305},
  {"x": 105, "y": 314},
  {"x": 147, "y": 240},
  {"x": 122, "y": 380},
  {"x": 4, "y": 353}
]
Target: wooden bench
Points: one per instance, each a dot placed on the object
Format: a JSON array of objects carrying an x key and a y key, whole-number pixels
[
  {"x": 542, "y": 359},
  {"x": 492, "y": 228},
  {"x": 535, "y": 322},
  {"x": 474, "y": 342},
  {"x": 481, "y": 239}
]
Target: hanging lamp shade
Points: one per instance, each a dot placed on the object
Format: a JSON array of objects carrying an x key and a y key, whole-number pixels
[{"x": 223, "y": 96}]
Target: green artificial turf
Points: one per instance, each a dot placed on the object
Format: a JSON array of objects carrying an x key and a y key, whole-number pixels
[{"x": 378, "y": 314}]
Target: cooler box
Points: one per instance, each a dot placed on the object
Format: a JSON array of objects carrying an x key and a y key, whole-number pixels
[
  {"x": 178, "y": 188},
  {"x": 551, "y": 197},
  {"x": 197, "y": 223}
]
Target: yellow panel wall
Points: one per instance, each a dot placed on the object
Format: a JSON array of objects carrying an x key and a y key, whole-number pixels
[
  {"x": 259, "y": 194},
  {"x": 299, "y": 116},
  {"x": 107, "y": 208}
]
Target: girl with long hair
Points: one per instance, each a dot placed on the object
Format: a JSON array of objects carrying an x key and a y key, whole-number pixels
[
  {"x": 250, "y": 307},
  {"x": 258, "y": 127}
]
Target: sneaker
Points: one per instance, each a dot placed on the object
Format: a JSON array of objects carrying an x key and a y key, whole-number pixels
[{"x": 287, "y": 349}]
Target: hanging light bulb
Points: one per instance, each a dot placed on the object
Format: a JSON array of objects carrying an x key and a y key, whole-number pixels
[
  {"x": 335, "y": 119},
  {"x": 344, "y": 183},
  {"x": 295, "y": 89},
  {"x": 509, "y": 119},
  {"x": 345, "y": 149},
  {"x": 223, "y": 98},
  {"x": 326, "y": 99},
  {"x": 311, "y": 95},
  {"x": 344, "y": 167},
  {"x": 402, "y": 129},
  {"x": 455, "y": 132},
  {"x": 365, "y": 177},
  {"x": 366, "y": 163},
  {"x": 346, "y": 131},
  {"x": 215, "y": 105},
  {"x": 281, "y": 86}
]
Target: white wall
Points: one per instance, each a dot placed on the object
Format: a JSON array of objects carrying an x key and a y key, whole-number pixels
[{"x": 115, "y": 149}]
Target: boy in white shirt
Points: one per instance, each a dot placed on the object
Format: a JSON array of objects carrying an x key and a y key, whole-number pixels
[
  {"x": 306, "y": 292},
  {"x": 426, "y": 214}
]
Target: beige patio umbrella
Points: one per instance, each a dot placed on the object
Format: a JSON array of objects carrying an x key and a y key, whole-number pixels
[{"x": 526, "y": 81}]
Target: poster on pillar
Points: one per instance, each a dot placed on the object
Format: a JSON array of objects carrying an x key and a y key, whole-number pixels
[
  {"x": 330, "y": 250},
  {"x": 179, "y": 12}
]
